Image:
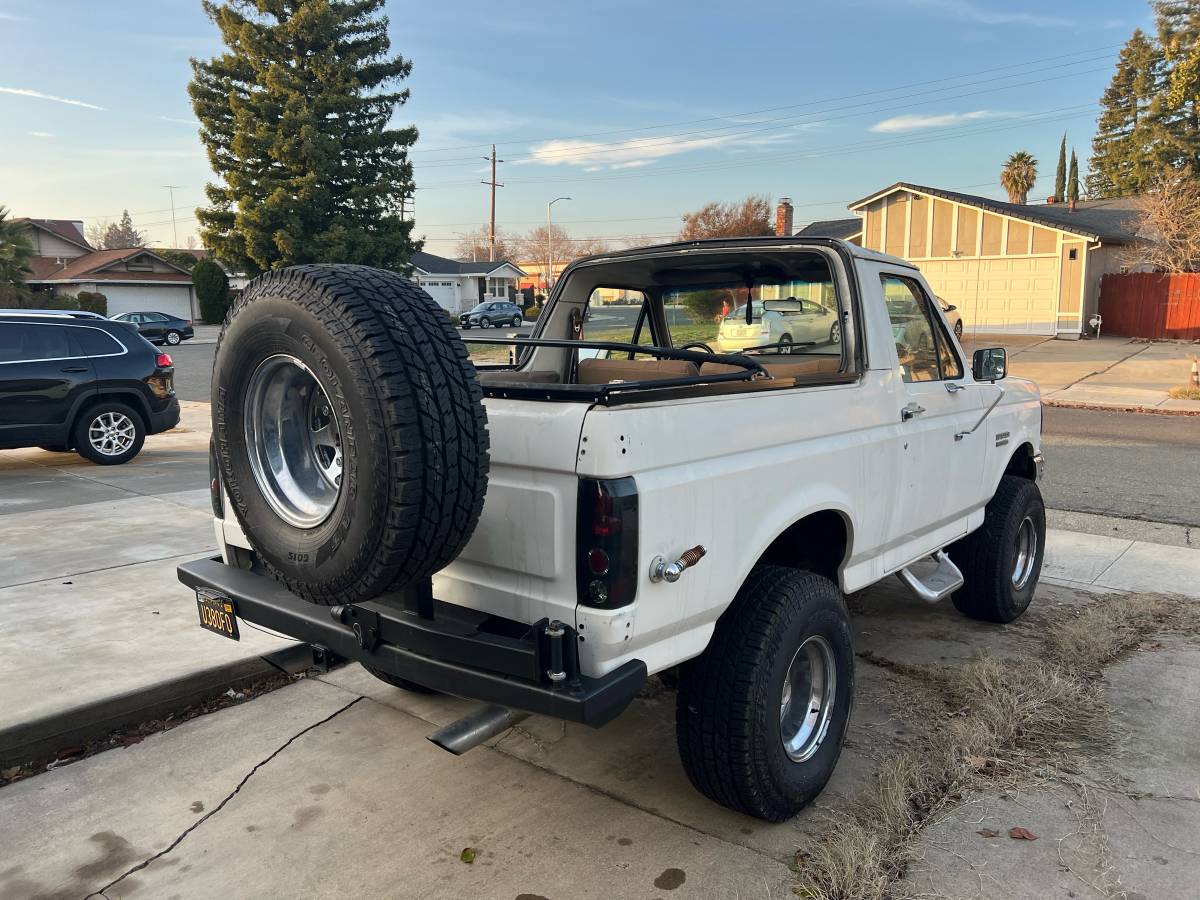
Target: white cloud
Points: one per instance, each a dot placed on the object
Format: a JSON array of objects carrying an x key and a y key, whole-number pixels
[
  {"x": 38, "y": 95},
  {"x": 900, "y": 124},
  {"x": 180, "y": 121},
  {"x": 968, "y": 11},
  {"x": 41, "y": 134},
  {"x": 635, "y": 152}
]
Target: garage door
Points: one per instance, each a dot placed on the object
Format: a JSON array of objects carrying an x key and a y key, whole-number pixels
[
  {"x": 444, "y": 292},
  {"x": 1016, "y": 295},
  {"x": 173, "y": 300}
]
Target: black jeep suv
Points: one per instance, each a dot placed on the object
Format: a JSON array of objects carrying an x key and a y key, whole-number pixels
[{"x": 91, "y": 385}]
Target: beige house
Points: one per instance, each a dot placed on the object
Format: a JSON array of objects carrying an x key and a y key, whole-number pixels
[{"x": 1020, "y": 269}]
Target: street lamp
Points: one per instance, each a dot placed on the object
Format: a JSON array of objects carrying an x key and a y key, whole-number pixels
[{"x": 550, "y": 245}]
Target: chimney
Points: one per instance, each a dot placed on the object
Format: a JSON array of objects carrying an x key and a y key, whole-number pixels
[
  {"x": 783, "y": 217},
  {"x": 1071, "y": 207},
  {"x": 1050, "y": 201}
]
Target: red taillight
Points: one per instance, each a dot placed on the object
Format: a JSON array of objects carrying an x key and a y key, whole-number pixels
[
  {"x": 606, "y": 539},
  {"x": 187, "y": 324},
  {"x": 164, "y": 361}
]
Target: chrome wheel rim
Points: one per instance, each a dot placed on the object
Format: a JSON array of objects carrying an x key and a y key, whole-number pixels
[
  {"x": 1027, "y": 545},
  {"x": 112, "y": 433},
  {"x": 293, "y": 441},
  {"x": 173, "y": 339},
  {"x": 806, "y": 706},
  {"x": 835, "y": 334}
]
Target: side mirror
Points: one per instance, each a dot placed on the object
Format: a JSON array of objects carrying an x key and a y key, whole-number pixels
[
  {"x": 951, "y": 308},
  {"x": 990, "y": 364}
]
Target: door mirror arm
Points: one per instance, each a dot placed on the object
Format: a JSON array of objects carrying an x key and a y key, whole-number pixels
[{"x": 987, "y": 412}]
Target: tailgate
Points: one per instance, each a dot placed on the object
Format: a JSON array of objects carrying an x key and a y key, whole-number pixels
[{"x": 520, "y": 563}]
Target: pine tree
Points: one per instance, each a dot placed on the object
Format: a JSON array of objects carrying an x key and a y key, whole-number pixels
[
  {"x": 1178, "y": 24},
  {"x": 1127, "y": 150},
  {"x": 295, "y": 120},
  {"x": 122, "y": 235},
  {"x": 1060, "y": 174},
  {"x": 1073, "y": 179}
]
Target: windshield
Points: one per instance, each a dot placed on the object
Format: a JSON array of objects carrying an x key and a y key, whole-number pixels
[{"x": 481, "y": 307}]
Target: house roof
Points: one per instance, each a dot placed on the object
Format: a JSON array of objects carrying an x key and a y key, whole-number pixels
[
  {"x": 440, "y": 265},
  {"x": 94, "y": 267},
  {"x": 67, "y": 229},
  {"x": 1112, "y": 221},
  {"x": 834, "y": 228}
]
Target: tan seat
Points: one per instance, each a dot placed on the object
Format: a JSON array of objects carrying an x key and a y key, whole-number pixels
[
  {"x": 606, "y": 371},
  {"x": 798, "y": 368}
]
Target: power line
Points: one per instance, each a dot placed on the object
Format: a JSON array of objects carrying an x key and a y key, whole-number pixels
[
  {"x": 731, "y": 131},
  {"x": 811, "y": 153},
  {"x": 901, "y": 87}
]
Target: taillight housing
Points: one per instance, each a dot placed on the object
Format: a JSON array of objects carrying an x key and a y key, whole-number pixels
[
  {"x": 214, "y": 480},
  {"x": 164, "y": 361},
  {"x": 606, "y": 542}
]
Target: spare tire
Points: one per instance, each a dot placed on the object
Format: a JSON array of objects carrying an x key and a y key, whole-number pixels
[{"x": 350, "y": 430}]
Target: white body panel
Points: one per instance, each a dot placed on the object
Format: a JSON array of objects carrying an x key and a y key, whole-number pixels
[
  {"x": 732, "y": 472},
  {"x": 171, "y": 299}
]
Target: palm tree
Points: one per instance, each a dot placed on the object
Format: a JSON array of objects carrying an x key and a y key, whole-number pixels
[
  {"x": 1018, "y": 176},
  {"x": 15, "y": 251}
]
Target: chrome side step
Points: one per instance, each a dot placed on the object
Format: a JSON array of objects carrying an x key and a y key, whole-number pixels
[{"x": 939, "y": 584}]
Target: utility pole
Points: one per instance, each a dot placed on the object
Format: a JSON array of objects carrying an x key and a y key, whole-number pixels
[
  {"x": 494, "y": 184},
  {"x": 550, "y": 244},
  {"x": 174, "y": 230}
]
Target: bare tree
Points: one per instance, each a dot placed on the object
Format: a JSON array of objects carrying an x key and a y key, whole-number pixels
[
  {"x": 1169, "y": 224},
  {"x": 473, "y": 245},
  {"x": 96, "y": 231},
  {"x": 745, "y": 218}
]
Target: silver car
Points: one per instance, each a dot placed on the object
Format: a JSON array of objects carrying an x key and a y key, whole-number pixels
[{"x": 783, "y": 322}]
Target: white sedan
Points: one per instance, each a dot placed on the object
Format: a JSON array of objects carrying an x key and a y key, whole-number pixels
[{"x": 779, "y": 322}]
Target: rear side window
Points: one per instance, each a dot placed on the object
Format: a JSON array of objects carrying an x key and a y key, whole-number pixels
[
  {"x": 27, "y": 342},
  {"x": 95, "y": 342}
]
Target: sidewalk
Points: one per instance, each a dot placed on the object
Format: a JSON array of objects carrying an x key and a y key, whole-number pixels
[
  {"x": 98, "y": 630},
  {"x": 205, "y": 334},
  {"x": 1109, "y": 372}
]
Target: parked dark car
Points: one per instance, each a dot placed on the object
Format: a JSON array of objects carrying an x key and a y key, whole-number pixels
[
  {"x": 91, "y": 385},
  {"x": 492, "y": 312},
  {"x": 159, "y": 328}
]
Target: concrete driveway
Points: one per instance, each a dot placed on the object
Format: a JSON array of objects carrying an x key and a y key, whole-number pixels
[{"x": 326, "y": 789}]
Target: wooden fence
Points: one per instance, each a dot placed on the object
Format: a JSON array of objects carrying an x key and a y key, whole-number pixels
[{"x": 1151, "y": 305}]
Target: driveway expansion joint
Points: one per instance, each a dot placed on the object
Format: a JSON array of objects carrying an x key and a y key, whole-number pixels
[{"x": 220, "y": 806}]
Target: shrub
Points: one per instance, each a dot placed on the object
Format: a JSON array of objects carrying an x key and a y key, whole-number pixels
[
  {"x": 212, "y": 291},
  {"x": 532, "y": 312},
  {"x": 92, "y": 301}
]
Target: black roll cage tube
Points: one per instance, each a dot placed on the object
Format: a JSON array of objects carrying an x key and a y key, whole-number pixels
[{"x": 752, "y": 369}]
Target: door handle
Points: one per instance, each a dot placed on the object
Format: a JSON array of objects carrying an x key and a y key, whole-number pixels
[
  {"x": 955, "y": 388},
  {"x": 911, "y": 411},
  {"x": 75, "y": 369}
]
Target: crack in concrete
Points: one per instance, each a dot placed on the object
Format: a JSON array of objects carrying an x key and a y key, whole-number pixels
[{"x": 220, "y": 806}]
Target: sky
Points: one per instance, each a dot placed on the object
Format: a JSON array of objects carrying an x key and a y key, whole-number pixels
[{"x": 636, "y": 111}]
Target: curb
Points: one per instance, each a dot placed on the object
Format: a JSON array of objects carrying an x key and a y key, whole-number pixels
[
  {"x": 1145, "y": 410},
  {"x": 70, "y": 727}
]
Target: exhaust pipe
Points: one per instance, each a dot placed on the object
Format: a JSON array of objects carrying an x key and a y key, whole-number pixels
[{"x": 472, "y": 730}]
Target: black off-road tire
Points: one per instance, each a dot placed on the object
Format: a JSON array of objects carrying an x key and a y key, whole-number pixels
[
  {"x": 987, "y": 556},
  {"x": 728, "y": 709},
  {"x": 397, "y": 681},
  {"x": 83, "y": 446},
  {"x": 414, "y": 438}
]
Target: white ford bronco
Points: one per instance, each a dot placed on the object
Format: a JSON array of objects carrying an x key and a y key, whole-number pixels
[{"x": 613, "y": 498}]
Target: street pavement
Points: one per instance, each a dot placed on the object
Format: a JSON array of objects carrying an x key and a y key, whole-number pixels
[{"x": 1123, "y": 464}]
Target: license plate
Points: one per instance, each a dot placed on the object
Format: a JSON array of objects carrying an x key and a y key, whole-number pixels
[{"x": 217, "y": 615}]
